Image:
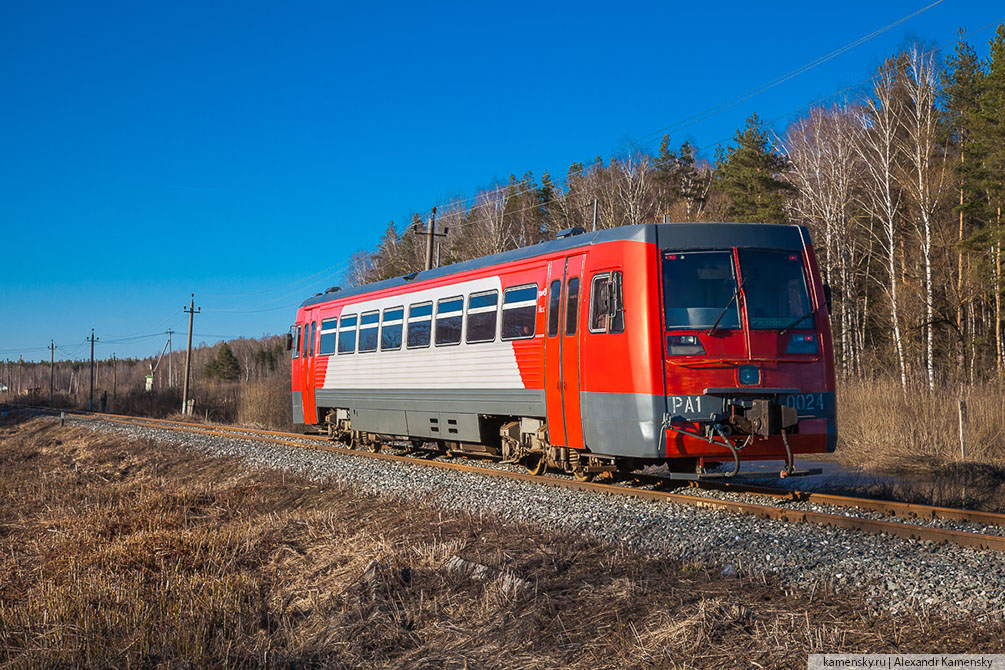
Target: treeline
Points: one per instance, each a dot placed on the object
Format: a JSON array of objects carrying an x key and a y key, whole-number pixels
[
  {"x": 902, "y": 189},
  {"x": 241, "y": 360}
]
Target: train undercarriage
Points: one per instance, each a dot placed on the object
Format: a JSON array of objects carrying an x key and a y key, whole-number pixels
[{"x": 524, "y": 441}]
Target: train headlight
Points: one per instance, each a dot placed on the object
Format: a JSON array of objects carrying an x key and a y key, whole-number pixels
[
  {"x": 684, "y": 345},
  {"x": 802, "y": 343},
  {"x": 749, "y": 375}
]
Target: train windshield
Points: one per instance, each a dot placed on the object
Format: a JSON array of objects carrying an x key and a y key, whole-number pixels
[
  {"x": 699, "y": 288},
  {"x": 775, "y": 290}
]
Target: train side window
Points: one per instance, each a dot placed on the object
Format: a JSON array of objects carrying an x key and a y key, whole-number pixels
[
  {"x": 296, "y": 344},
  {"x": 314, "y": 330},
  {"x": 390, "y": 328},
  {"x": 554, "y": 305},
  {"x": 347, "y": 334},
  {"x": 306, "y": 340},
  {"x": 616, "y": 320},
  {"x": 368, "y": 331},
  {"x": 519, "y": 308},
  {"x": 598, "y": 303},
  {"x": 483, "y": 309},
  {"x": 571, "y": 305},
  {"x": 420, "y": 324},
  {"x": 449, "y": 314},
  {"x": 329, "y": 333}
]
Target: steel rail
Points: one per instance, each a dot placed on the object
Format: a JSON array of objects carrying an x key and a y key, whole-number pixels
[
  {"x": 906, "y": 531},
  {"x": 889, "y": 507}
]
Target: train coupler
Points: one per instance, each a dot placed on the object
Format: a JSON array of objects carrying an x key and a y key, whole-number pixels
[{"x": 765, "y": 418}]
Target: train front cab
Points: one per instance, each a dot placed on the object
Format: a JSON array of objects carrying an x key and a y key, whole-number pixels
[{"x": 746, "y": 345}]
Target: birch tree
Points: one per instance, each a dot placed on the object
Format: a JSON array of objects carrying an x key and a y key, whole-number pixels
[
  {"x": 925, "y": 178},
  {"x": 881, "y": 122},
  {"x": 825, "y": 169}
]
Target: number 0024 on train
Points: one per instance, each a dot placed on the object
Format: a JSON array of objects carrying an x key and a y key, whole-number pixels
[{"x": 685, "y": 344}]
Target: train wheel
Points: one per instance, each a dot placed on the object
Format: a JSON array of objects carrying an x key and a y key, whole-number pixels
[
  {"x": 582, "y": 476},
  {"x": 536, "y": 464}
]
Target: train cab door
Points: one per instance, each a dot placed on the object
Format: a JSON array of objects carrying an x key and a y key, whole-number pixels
[
  {"x": 565, "y": 420},
  {"x": 296, "y": 378},
  {"x": 308, "y": 363}
]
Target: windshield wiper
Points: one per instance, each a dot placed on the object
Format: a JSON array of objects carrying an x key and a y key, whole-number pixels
[
  {"x": 736, "y": 294},
  {"x": 797, "y": 321}
]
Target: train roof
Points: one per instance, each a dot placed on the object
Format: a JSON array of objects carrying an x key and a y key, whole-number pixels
[{"x": 678, "y": 236}]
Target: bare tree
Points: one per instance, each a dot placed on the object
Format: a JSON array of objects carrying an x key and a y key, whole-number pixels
[
  {"x": 634, "y": 187},
  {"x": 925, "y": 179},
  {"x": 825, "y": 168},
  {"x": 882, "y": 160}
]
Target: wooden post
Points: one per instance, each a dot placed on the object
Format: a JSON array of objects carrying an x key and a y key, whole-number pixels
[{"x": 963, "y": 428}]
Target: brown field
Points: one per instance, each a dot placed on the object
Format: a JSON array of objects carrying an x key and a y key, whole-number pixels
[
  {"x": 129, "y": 554},
  {"x": 881, "y": 427}
]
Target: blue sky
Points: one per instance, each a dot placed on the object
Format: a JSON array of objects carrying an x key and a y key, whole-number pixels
[{"x": 244, "y": 150}]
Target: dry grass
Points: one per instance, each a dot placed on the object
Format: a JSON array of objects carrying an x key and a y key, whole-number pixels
[
  {"x": 266, "y": 404},
  {"x": 131, "y": 554},
  {"x": 916, "y": 434},
  {"x": 883, "y": 427}
]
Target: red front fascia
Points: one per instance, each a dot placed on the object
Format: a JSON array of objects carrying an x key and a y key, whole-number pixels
[{"x": 726, "y": 351}]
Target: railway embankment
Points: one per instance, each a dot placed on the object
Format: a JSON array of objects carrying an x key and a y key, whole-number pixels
[{"x": 125, "y": 547}]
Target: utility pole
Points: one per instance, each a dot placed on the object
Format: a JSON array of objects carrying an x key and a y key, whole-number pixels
[
  {"x": 595, "y": 203},
  {"x": 170, "y": 351},
  {"x": 20, "y": 374},
  {"x": 52, "y": 370},
  {"x": 115, "y": 376},
  {"x": 90, "y": 401},
  {"x": 191, "y": 311},
  {"x": 430, "y": 231},
  {"x": 431, "y": 235}
]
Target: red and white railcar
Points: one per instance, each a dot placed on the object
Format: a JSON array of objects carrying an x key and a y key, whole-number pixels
[{"x": 681, "y": 343}]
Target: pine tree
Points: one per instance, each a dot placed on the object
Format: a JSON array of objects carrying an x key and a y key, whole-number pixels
[
  {"x": 225, "y": 366},
  {"x": 665, "y": 165},
  {"x": 748, "y": 176},
  {"x": 992, "y": 144},
  {"x": 962, "y": 81}
]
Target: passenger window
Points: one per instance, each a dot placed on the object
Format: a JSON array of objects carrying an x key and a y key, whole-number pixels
[
  {"x": 368, "y": 331},
  {"x": 449, "y": 314},
  {"x": 314, "y": 328},
  {"x": 482, "y": 311},
  {"x": 420, "y": 322},
  {"x": 390, "y": 329},
  {"x": 296, "y": 344},
  {"x": 329, "y": 333},
  {"x": 519, "y": 308},
  {"x": 347, "y": 334},
  {"x": 598, "y": 304},
  {"x": 554, "y": 305},
  {"x": 571, "y": 305}
]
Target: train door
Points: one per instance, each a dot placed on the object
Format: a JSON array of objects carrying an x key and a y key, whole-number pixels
[
  {"x": 309, "y": 363},
  {"x": 296, "y": 378},
  {"x": 565, "y": 421}
]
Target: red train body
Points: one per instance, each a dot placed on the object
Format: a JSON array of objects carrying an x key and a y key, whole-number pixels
[{"x": 677, "y": 343}]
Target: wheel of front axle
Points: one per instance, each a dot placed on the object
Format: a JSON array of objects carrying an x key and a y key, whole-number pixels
[
  {"x": 536, "y": 464},
  {"x": 582, "y": 475}
]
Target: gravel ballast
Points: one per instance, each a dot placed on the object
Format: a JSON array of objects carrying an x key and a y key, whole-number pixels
[{"x": 893, "y": 574}]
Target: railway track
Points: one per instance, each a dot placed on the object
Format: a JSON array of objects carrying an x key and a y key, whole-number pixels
[{"x": 659, "y": 489}]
